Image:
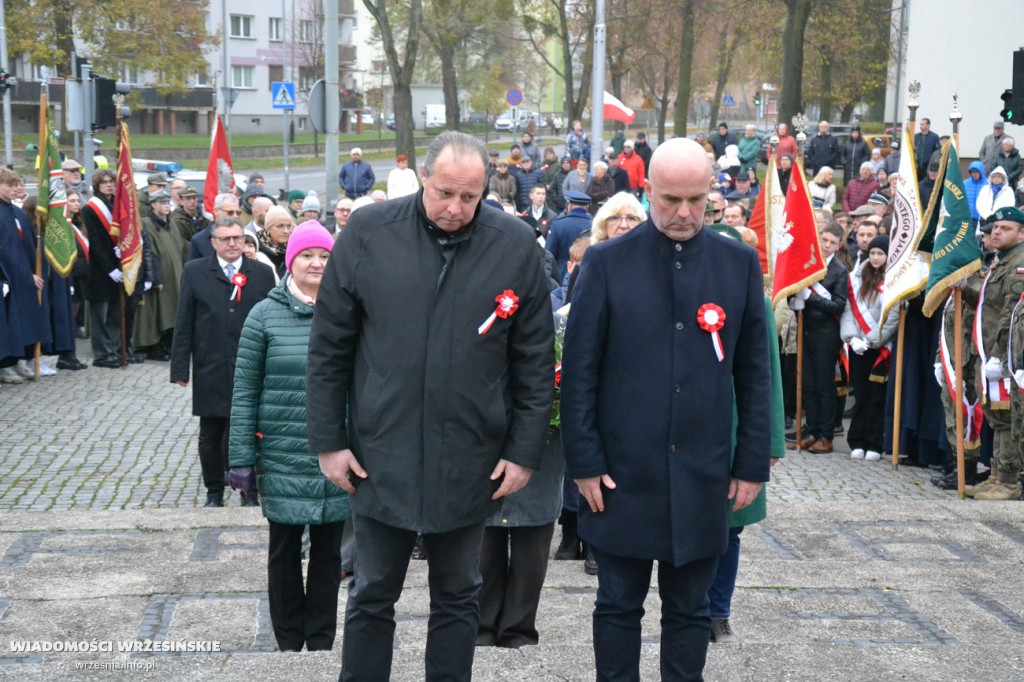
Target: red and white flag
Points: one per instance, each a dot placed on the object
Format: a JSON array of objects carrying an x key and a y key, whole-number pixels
[
  {"x": 797, "y": 260},
  {"x": 124, "y": 217},
  {"x": 615, "y": 110},
  {"x": 758, "y": 223},
  {"x": 220, "y": 172}
]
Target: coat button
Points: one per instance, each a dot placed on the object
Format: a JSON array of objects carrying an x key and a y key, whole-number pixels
[
  {"x": 677, "y": 388},
  {"x": 504, "y": 521},
  {"x": 672, "y": 449},
  {"x": 231, "y": 310},
  {"x": 679, "y": 247},
  {"x": 679, "y": 266},
  {"x": 680, "y": 326}
]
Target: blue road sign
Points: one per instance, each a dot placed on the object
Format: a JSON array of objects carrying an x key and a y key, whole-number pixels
[
  {"x": 282, "y": 95},
  {"x": 514, "y": 97},
  {"x": 728, "y": 101}
]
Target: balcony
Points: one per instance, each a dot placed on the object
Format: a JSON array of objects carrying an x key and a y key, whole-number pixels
[
  {"x": 190, "y": 100},
  {"x": 346, "y": 8},
  {"x": 347, "y": 54}
]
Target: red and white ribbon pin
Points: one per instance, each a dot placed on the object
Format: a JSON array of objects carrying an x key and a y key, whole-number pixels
[
  {"x": 711, "y": 319},
  {"x": 238, "y": 279},
  {"x": 508, "y": 303}
]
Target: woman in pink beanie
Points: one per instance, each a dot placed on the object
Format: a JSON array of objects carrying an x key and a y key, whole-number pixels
[{"x": 268, "y": 448}]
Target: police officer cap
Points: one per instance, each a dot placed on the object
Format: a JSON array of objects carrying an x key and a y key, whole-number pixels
[
  {"x": 1011, "y": 213},
  {"x": 188, "y": 191},
  {"x": 734, "y": 195},
  {"x": 577, "y": 197},
  {"x": 986, "y": 225},
  {"x": 157, "y": 179},
  {"x": 162, "y": 195}
]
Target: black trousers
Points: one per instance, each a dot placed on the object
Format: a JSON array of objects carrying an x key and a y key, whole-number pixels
[
  {"x": 821, "y": 349},
  {"x": 304, "y": 614},
  {"x": 213, "y": 452},
  {"x": 868, "y": 422},
  {"x": 513, "y": 563},
  {"x": 105, "y": 329},
  {"x": 788, "y": 367},
  {"x": 382, "y": 559}
]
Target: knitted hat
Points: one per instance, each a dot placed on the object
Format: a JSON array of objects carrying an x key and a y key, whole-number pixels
[
  {"x": 310, "y": 203},
  {"x": 295, "y": 195},
  {"x": 879, "y": 242},
  {"x": 308, "y": 235},
  {"x": 255, "y": 176},
  {"x": 277, "y": 214}
]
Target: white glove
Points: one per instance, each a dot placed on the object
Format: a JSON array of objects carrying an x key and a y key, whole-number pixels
[
  {"x": 796, "y": 303},
  {"x": 804, "y": 294},
  {"x": 993, "y": 369},
  {"x": 7, "y": 290},
  {"x": 116, "y": 276},
  {"x": 72, "y": 290},
  {"x": 147, "y": 286},
  {"x": 858, "y": 345},
  {"x": 117, "y": 251},
  {"x": 1018, "y": 377},
  {"x": 940, "y": 376}
]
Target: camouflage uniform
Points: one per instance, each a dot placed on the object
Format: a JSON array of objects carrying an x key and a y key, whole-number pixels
[
  {"x": 1016, "y": 337},
  {"x": 1002, "y": 289},
  {"x": 969, "y": 297},
  {"x": 186, "y": 225}
]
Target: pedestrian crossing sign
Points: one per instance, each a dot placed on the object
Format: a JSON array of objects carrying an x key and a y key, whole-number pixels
[{"x": 282, "y": 95}]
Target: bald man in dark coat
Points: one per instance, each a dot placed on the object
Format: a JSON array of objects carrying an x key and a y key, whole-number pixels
[{"x": 667, "y": 322}]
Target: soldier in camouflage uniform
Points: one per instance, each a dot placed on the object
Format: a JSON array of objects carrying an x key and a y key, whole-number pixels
[
  {"x": 1016, "y": 366},
  {"x": 1000, "y": 292},
  {"x": 972, "y": 446},
  {"x": 188, "y": 218}
]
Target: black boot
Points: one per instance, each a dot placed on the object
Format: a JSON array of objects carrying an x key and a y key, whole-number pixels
[
  {"x": 250, "y": 499},
  {"x": 569, "y": 549},
  {"x": 214, "y": 500}
]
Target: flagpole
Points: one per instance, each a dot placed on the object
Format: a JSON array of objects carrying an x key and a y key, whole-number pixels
[
  {"x": 120, "y": 288},
  {"x": 898, "y": 398},
  {"x": 43, "y": 172},
  {"x": 799, "y": 377},
  {"x": 958, "y": 342}
]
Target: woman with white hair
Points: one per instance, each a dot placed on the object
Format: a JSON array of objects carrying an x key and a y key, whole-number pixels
[
  {"x": 600, "y": 187},
  {"x": 822, "y": 189},
  {"x": 620, "y": 214},
  {"x": 1009, "y": 158}
]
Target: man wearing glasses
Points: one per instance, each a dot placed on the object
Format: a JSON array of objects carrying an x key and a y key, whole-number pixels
[
  {"x": 217, "y": 293},
  {"x": 224, "y": 206}
]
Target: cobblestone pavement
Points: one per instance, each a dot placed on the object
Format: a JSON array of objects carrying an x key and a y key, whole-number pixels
[{"x": 113, "y": 439}]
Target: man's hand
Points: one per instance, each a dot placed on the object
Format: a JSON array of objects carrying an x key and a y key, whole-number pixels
[
  {"x": 38, "y": 282},
  {"x": 743, "y": 492},
  {"x": 183, "y": 384},
  {"x": 337, "y": 464},
  {"x": 590, "y": 488},
  {"x": 516, "y": 477}
]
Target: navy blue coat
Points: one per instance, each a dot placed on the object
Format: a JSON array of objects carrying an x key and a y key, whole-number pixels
[
  {"x": 18, "y": 253},
  {"x": 645, "y": 399},
  {"x": 563, "y": 233}
]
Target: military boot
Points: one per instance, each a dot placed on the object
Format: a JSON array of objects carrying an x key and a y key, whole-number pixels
[
  {"x": 1000, "y": 492},
  {"x": 972, "y": 490}
]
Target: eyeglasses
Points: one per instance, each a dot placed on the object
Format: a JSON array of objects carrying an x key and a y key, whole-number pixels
[
  {"x": 631, "y": 219},
  {"x": 235, "y": 238},
  {"x": 238, "y": 212}
]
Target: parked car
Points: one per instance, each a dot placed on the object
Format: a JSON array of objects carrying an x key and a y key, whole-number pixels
[
  {"x": 367, "y": 116},
  {"x": 503, "y": 123},
  {"x": 389, "y": 123}
]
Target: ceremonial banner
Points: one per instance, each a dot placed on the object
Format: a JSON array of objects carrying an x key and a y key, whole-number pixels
[
  {"x": 220, "y": 173},
  {"x": 59, "y": 241},
  {"x": 615, "y": 110},
  {"x": 125, "y": 214},
  {"x": 758, "y": 223},
  {"x": 955, "y": 252},
  {"x": 796, "y": 251},
  {"x": 906, "y": 271}
]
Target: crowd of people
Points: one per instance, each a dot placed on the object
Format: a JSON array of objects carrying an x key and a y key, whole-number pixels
[{"x": 605, "y": 365}]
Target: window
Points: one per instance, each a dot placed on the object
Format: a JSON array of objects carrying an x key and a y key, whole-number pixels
[
  {"x": 241, "y": 77},
  {"x": 130, "y": 74},
  {"x": 201, "y": 79},
  {"x": 275, "y": 28},
  {"x": 276, "y": 74},
  {"x": 306, "y": 31},
  {"x": 241, "y": 26}
]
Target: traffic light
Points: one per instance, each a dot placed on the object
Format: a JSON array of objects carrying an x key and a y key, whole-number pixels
[
  {"x": 1017, "y": 93},
  {"x": 1007, "y": 113},
  {"x": 6, "y": 81},
  {"x": 105, "y": 112},
  {"x": 757, "y": 99}
]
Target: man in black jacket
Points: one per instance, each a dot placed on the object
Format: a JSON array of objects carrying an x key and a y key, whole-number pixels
[
  {"x": 823, "y": 304},
  {"x": 822, "y": 150},
  {"x": 216, "y": 296},
  {"x": 433, "y": 329}
]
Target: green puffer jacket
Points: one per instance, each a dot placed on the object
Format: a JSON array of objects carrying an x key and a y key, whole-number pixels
[{"x": 268, "y": 415}]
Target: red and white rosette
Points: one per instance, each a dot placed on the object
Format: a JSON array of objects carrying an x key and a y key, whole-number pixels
[
  {"x": 507, "y": 302},
  {"x": 238, "y": 279},
  {"x": 711, "y": 318}
]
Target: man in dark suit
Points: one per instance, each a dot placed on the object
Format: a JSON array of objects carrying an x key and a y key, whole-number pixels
[
  {"x": 216, "y": 296},
  {"x": 925, "y": 144},
  {"x": 667, "y": 321}
]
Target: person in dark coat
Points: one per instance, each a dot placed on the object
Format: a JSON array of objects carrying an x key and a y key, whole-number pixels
[
  {"x": 216, "y": 295},
  {"x": 26, "y": 318},
  {"x": 187, "y": 218},
  {"x": 666, "y": 321},
  {"x": 722, "y": 139},
  {"x": 822, "y": 149},
  {"x": 527, "y": 177},
  {"x": 855, "y": 152},
  {"x": 566, "y": 229},
  {"x": 105, "y": 275},
  {"x": 926, "y": 143},
  {"x": 356, "y": 177},
  {"x": 643, "y": 150},
  {"x": 537, "y": 215},
  {"x": 441, "y": 429}
]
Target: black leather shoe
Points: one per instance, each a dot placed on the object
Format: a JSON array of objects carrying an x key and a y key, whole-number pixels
[
  {"x": 134, "y": 359},
  {"x": 158, "y": 354},
  {"x": 69, "y": 361},
  {"x": 214, "y": 500},
  {"x": 248, "y": 500},
  {"x": 109, "y": 362},
  {"x": 590, "y": 564}
]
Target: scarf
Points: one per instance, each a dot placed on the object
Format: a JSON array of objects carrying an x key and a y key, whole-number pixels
[{"x": 275, "y": 250}]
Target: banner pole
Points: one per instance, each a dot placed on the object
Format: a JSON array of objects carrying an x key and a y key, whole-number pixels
[{"x": 898, "y": 399}]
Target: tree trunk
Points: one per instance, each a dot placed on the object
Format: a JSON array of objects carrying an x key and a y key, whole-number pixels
[
  {"x": 827, "y": 103},
  {"x": 846, "y": 112},
  {"x": 790, "y": 99},
  {"x": 63, "y": 25},
  {"x": 449, "y": 84},
  {"x": 401, "y": 72},
  {"x": 724, "y": 66},
  {"x": 685, "y": 66}
]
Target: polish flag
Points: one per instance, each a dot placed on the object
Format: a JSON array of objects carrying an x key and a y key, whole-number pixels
[
  {"x": 614, "y": 110},
  {"x": 220, "y": 172}
]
